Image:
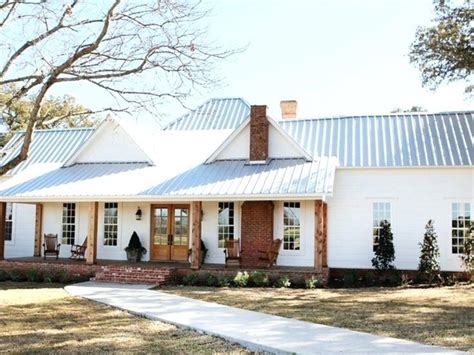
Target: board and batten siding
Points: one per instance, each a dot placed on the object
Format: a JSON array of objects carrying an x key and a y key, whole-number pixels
[
  {"x": 415, "y": 194},
  {"x": 23, "y": 232}
]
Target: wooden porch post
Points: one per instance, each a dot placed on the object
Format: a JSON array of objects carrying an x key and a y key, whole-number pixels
[
  {"x": 91, "y": 252},
  {"x": 196, "y": 235},
  {"x": 321, "y": 254},
  {"x": 3, "y": 211},
  {"x": 38, "y": 229}
]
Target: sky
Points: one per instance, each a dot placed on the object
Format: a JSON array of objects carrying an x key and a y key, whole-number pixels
[{"x": 335, "y": 57}]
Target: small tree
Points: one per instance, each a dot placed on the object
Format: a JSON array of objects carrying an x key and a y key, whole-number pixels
[
  {"x": 385, "y": 251},
  {"x": 429, "y": 265},
  {"x": 467, "y": 258}
]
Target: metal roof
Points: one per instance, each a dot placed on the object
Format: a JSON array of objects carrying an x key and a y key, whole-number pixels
[
  {"x": 224, "y": 179},
  {"x": 401, "y": 140},
  {"x": 47, "y": 147},
  {"x": 226, "y": 113}
]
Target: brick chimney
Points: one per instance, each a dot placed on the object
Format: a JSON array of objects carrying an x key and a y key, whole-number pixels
[
  {"x": 288, "y": 108},
  {"x": 258, "y": 133}
]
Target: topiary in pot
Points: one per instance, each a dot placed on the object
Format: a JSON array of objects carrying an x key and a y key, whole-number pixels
[{"x": 135, "y": 250}]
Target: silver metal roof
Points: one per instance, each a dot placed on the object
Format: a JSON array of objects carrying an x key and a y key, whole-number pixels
[
  {"x": 414, "y": 139},
  {"x": 48, "y": 146},
  {"x": 226, "y": 113},
  {"x": 224, "y": 179}
]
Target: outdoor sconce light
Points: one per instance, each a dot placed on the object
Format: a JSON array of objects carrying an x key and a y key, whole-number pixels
[{"x": 138, "y": 215}]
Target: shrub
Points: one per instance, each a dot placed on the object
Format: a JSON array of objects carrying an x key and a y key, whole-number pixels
[
  {"x": 212, "y": 280},
  {"x": 350, "y": 279},
  {"x": 4, "y": 276},
  {"x": 259, "y": 279},
  {"x": 191, "y": 279},
  {"x": 283, "y": 282},
  {"x": 241, "y": 279},
  {"x": 225, "y": 281},
  {"x": 17, "y": 275},
  {"x": 385, "y": 251},
  {"x": 314, "y": 282},
  {"x": 467, "y": 257},
  {"x": 429, "y": 265},
  {"x": 33, "y": 275}
]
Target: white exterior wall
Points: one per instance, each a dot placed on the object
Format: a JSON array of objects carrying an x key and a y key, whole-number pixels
[
  {"x": 23, "y": 232},
  {"x": 416, "y": 195},
  {"x": 304, "y": 256}
]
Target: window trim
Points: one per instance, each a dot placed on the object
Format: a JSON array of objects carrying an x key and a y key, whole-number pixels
[
  {"x": 13, "y": 206},
  {"x": 63, "y": 224},
  {"x": 451, "y": 228},
  {"x": 233, "y": 225},
  {"x": 301, "y": 250},
  {"x": 103, "y": 226},
  {"x": 390, "y": 220}
]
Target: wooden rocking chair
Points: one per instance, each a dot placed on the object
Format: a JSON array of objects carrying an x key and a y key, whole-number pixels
[
  {"x": 51, "y": 245},
  {"x": 78, "y": 251},
  {"x": 270, "y": 256},
  {"x": 232, "y": 253}
]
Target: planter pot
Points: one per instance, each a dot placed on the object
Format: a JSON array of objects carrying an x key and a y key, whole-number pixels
[{"x": 134, "y": 255}]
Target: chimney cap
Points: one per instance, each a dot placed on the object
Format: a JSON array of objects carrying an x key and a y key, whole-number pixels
[{"x": 288, "y": 108}]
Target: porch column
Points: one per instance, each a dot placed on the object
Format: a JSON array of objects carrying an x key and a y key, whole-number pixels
[
  {"x": 3, "y": 211},
  {"x": 38, "y": 229},
  {"x": 321, "y": 254},
  {"x": 196, "y": 235},
  {"x": 91, "y": 252}
]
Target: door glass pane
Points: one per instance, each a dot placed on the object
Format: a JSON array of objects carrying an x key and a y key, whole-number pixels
[
  {"x": 161, "y": 226},
  {"x": 181, "y": 226}
]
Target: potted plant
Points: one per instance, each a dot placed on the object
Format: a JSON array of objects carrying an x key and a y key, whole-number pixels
[
  {"x": 135, "y": 250},
  {"x": 203, "y": 252}
]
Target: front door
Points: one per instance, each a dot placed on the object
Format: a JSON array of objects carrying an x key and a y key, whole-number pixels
[{"x": 170, "y": 232}]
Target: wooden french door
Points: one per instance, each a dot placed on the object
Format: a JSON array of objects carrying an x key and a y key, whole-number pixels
[{"x": 170, "y": 232}]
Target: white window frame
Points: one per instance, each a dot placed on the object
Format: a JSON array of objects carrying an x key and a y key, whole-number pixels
[
  {"x": 117, "y": 224},
  {"x": 300, "y": 228},
  {"x": 12, "y": 207},
  {"x": 461, "y": 208},
  {"x": 379, "y": 213},
  {"x": 228, "y": 225},
  {"x": 65, "y": 222}
]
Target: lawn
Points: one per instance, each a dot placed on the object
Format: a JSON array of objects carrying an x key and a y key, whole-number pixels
[
  {"x": 438, "y": 316},
  {"x": 44, "y": 318}
]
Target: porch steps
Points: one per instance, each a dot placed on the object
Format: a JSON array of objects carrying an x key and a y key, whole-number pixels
[{"x": 129, "y": 274}]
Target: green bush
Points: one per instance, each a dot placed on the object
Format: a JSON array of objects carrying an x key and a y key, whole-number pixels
[
  {"x": 241, "y": 279},
  {"x": 4, "y": 276},
  {"x": 33, "y": 275},
  {"x": 212, "y": 280},
  {"x": 283, "y": 282},
  {"x": 314, "y": 282},
  {"x": 225, "y": 281},
  {"x": 17, "y": 275},
  {"x": 350, "y": 279},
  {"x": 191, "y": 279},
  {"x": 259, "y": 279}
]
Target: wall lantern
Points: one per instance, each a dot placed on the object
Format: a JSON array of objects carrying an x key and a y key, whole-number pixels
[{"x": 138, "y": 215}]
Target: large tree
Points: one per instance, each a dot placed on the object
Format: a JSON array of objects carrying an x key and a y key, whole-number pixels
[
  {"x": 56, "y": 112},
  {"x": 139, "y": 51},
  {"x": 443, "y": 52}
]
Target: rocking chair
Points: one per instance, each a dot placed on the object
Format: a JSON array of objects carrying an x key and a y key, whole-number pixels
[
  {"x": 78, "y": 251},
  {"x": 51, "y": 245},
  {"x": 270, "y": 256},
  {"x": 232, "y": 253}
]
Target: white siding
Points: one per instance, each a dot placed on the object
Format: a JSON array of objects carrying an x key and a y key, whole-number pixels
[
  {"x": 304, "y": 256},
  {"x": 23, "y": 232},
  {"x": 416, "y": 195}
]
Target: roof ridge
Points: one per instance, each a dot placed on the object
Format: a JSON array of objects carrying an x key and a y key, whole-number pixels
[{"x": 60, "y": 129}]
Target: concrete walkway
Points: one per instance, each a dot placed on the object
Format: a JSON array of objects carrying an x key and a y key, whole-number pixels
[{"x": 256, "y": 331}]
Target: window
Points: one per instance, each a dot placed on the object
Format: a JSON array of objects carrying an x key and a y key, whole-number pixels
[
  {"x": 69, "y": 223},
  {"x": 225, "y": 222},
  {"x": 381, "y": 212},
  {"x": 9, "y": 222},
  {"x": 461, "y": 222},
  {"x": 110, "y": 223},
  {"x": 291, "y": 226}
]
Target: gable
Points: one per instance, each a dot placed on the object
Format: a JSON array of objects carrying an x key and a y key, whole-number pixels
[
  {"x": 280, "y": 145},
  {"x": 110, "y": 144}
]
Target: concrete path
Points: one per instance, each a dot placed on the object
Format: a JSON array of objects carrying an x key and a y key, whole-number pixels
[{"x": 254, "y": 330}]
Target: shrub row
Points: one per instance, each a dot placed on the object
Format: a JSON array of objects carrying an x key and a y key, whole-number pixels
[
  {"x": 245, "y": 279},
  {"x": 35, "y": 275}
]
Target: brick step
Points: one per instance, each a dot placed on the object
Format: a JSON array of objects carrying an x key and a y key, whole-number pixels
[{"x": 134, "y": 275}]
